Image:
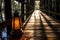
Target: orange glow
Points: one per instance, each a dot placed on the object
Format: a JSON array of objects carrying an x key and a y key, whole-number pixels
[{"x": 16, "y": 24}]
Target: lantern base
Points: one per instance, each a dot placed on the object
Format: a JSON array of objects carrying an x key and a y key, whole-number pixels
[{"x": 16, "y": 33}]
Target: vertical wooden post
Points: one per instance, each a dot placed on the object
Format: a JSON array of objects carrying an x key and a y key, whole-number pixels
[{"x": 8, "y": 15}]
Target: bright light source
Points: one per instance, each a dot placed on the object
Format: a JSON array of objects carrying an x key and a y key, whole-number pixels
[
  {"x": 37, "y": 13},
  {"x": 37, "y": 4},
  {"x": 16, "y": 2},
  {"x": 16, "y": 23}
]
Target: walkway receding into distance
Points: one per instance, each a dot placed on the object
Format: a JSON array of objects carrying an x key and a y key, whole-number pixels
[{"x": 41, "y": 27}]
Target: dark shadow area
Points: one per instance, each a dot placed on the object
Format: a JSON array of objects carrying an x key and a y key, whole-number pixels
[
  {"x": 40, "y": 30},
  {"x": 55, "y": 29},
  {"x": 43, "y": 35},
  {"x": 54, "y": 17}
]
